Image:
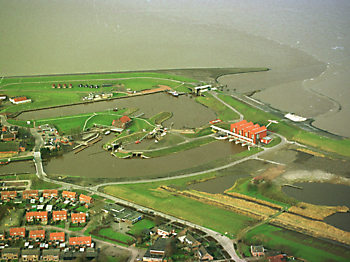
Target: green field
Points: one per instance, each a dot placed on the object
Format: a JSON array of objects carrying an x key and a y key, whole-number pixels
[
  {"x": 299, "y": 245},
  {"x": 144, "y": 223},
  {"x": 179, "y": 206},
  {"x": 37, "y": 183},
  {"x": 108, "y": 232}
]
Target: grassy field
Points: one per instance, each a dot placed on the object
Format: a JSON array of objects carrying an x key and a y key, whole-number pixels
[
  {"x": 301, "y": 246},
  {"x": 144, "y": 223},
  {"x": 108, "y": 232},
  {"x": 221, "y": 111},
  {"x": 168, "y": 140},
  {"x": 179, "y": 206},
  {"x": 180, "y": 148},
  {"x": 36, "y": 182},
  {"x": 289, "y": 131},
  {"x": 160, "y": 118}
]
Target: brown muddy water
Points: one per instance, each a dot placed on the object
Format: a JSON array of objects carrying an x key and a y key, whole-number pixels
[
  {"x": 217, "y": 185},
  {"x": 186, "y": 112},
  {"x": 95, "y": 162},
  {"x": 324, "y": 194}
]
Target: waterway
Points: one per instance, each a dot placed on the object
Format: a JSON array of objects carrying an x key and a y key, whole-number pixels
[
  {"x": 186, "y": 112},
  {"x": 324, "y": 194}
]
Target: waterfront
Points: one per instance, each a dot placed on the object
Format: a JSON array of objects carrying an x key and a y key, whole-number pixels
[
  {"x": 305, "y": 43},
  {"x": 324, "y": 194}
]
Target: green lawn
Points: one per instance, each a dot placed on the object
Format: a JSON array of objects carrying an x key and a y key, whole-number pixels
[
  {"x": 75, "y": 228},
  {"x": 221, "y": 111},
  {"x": 299, "y": 245},
  {"x": 179, "y": 206},
  {"x": 167, "y": 140},
  {"x": 159, "y": 118},
  {"x": 81, "y": 209},
  {"x": 97, "y": 197},
  {"x": 108, "y": 232},
  {"x": 37, "y": 183},
  {"x": 144, "y": 223}
]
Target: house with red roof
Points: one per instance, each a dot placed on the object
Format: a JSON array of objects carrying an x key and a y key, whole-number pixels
[
  {"x": 69, "y": 195},
  {"x": 85, "y": 199},
  {"x": 57, "y": 236},
  {"x": 48, "y": 193},
  {"x": 40, "y": 215},
  {"x": 122, "y": 122},
  {"x": 59, "y": 215},
  {"x": 37, "y": 234},
  {"x": 8, "y": 195},
  {"x": 78, "y": 218},
  {"x": 30, "y": 194},
  {"x": 18, "y": 232},
  {"x": 80, "y": 241},
  {"x": 20, "y": 100}
]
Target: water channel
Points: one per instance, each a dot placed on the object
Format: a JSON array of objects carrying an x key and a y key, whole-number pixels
[{"x": 324, "y": 194}]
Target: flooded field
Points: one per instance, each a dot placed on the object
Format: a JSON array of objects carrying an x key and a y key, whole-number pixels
[
  {"x": 324, "y": 194},
  {"x": 186, "y": 112},
  {"x": 18, "y": 167},
  {"x": 95, "y": 162}
]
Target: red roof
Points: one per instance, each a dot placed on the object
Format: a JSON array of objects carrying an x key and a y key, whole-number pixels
[
  {"x": 36, "y": 233},
  {"x": 17, "y": 231},
  {"x": 125, "y": 119},
  {"x": 78, "y": 215},
  {"x": 57, "y": 235},
  {"x": 80, "y": 240},
  {"x": 59, "y": 213},
  {"x": 69, "y": 194},
  {"x": 84, "y": 198},
  {"x": 17, "y": 99}
]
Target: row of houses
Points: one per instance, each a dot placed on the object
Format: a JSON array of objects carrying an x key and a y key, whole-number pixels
[
  {"x": 14, "y": 253},
  {"x": 56, "y": 216},
  {"x": 9, "y": 133},
  {"x": 34, "y": 194}
]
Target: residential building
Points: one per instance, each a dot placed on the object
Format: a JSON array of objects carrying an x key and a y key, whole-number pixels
[
  {"x": 30, "y": 255},
  {"x": 80, "y": 241},
  {"x": 18, "y": 232},
  {"x": 41, "y": 215},
  {"x": 51, "y": 255},
  {"x": 30, "y": 194},
  {"x": 69, "y": 195},
  {"x": 59, "y": 215},
  {"x": 22, "y": 146},
  {"x": 57, "y": 236},
  {"x": 156, "y": 252},
  {"x": 3, "y": 97},
  {"x": 78, "y": 218},
  {"x": 257, "y": 251},
  {"x": 190, "y": 241},
  {"x": 19, "y": 100},
  {"x": 8, "y": 137},
  {"x": 203, "y": 254},
  {"x": 47, "y": 193},
  {"x": 37, "y": 234},
  {"x": 85, "y": 199},
  {"x": 8, "y": 195},
  {"x": 10, "y": 253},
  {"x": 164, "y": 230},
  {"x": 122, "y": 122}
]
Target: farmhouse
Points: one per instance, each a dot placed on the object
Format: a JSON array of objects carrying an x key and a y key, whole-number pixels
[
  {"x": 122, "y": 122},
  {"x": 19, "y": 100}
]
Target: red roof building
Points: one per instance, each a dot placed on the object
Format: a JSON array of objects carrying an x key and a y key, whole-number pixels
[
  {"x": 59, "y": 215},
  {"x": 80, "y": 241},
  {"x": 70, "y": 195},
  {"x": 85, "y": 199},
  {"x": 122, "y": 122},
  {"x": 30, "y": 194},
  {"x": 78, "y": 218},
  {"x": 47, "y": 193},
  {"x": 37, "y": 234},
  {"x": 20, "y": 100},
  {"x": 8, "y": 195},
  {"x": 41, "y": 215},
  {"x": 249, "y": 130},
  {"x": 57, "y": 236},
  {"x": 18, "y": 231}
]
